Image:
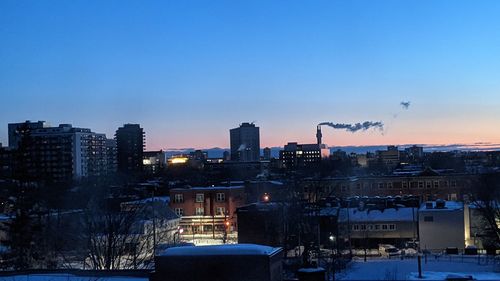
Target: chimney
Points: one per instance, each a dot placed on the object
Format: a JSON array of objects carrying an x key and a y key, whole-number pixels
[{"x": 318, "y": 134}]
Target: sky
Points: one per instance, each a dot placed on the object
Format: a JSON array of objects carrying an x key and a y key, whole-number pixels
[{"x": 188, "y": 71}]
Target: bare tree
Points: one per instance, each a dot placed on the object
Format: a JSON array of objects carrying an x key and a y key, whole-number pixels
[
  {"x": 486, "y": 199},
  {"x": 124, "y": 239}
]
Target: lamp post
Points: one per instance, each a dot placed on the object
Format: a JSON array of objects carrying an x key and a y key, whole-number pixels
[
  {"x": 333, "y": 239},
  {"x": 179, "y": 231}
]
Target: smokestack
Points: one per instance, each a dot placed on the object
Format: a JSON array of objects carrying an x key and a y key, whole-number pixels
[{"x": 319, "y": 135}]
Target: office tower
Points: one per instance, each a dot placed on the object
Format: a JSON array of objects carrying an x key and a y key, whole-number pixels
[
  {"x": 245, "y": 143},
  {"x": 130, "y": 149}
]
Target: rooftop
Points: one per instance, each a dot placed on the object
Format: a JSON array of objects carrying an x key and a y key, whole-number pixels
[
  {"x": 389, "y": 214},
  {"x": 221, "y": 250}
]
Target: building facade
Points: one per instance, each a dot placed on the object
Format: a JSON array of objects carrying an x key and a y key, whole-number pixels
[
  {"x": 427, "y": 186},
  {"x": 130, "y": 149},
  {"x": 245, "y": 143},
  {"x": 16, "y": 131},
  {"x": 207, "y": 210},
  {"x": 63, "y": 153},
  {"x": 296, "y": 155},
  {"x": 442, "y": 225}
]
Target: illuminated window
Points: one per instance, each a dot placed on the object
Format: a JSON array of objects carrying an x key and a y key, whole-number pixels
[{"x": 220, "y": 211}]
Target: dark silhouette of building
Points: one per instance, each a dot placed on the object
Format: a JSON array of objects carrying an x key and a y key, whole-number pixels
[
  {"x": 295, "y": 155},
  {"x": 267, "y": 153},
  {"x": 245, "y": 143},
  {"x": 15, "y": 131},
  {"x": 111, "y": 157},
  {"x": 6, "y": 162},
  {"x": 130, "y": 149},
  {"x": 59, "y": 154}
]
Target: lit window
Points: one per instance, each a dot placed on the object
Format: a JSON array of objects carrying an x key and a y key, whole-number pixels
[{"x": 220, "y": 211}]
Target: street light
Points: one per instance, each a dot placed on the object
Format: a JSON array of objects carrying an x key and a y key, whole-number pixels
[
  {"x": 266, "y": 197},
  {"x": 179, "y": 231}
]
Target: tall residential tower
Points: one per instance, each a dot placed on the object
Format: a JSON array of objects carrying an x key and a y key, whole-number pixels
[{"x": 245, "y": 143}]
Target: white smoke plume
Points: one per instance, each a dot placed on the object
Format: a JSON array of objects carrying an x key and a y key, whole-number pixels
[{"x": 355, "y": 127}]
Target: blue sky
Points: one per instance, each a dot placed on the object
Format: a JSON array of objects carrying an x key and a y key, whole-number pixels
[{"x": 187, "y": 71}]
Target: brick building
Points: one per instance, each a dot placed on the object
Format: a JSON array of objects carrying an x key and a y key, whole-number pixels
[
  {"x": 207, "y": 210},
  {"x": 428, "y": 185}
]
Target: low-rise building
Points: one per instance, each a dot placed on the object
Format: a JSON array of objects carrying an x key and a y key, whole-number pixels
[
  {"x": 242, "y": 262},
  {"x": 207, "y": 210},
  {"x": 368, "y": 227},
  {"x": 442, "y": 225}
]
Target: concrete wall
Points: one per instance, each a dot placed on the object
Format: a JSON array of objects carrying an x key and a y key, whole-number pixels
[{"x": 446, "y": 230}]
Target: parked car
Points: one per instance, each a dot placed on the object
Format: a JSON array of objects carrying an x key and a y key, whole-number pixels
[{"x": 386, "y": 250}]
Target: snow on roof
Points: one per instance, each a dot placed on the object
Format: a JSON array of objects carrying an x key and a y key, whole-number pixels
[
  {"x": 165, "y": 199},
  {"x": 448, "y": 206},
  {"x": 329, "y": 211},
  {"x": 208, "y": 188},
  {"x": 221, "y": 250},
  {"x": 312, "y": 269},
  {"x": 276, "y": 182},
  {"x": 389, "y": 214}
]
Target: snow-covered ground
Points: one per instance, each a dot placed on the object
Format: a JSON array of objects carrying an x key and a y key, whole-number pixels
[
  {"x": 68, "y": 277},
  {"x": 385, "y": 269}
]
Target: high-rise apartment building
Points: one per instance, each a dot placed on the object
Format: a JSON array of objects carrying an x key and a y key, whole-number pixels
[
  {"x": 130, "y": 149},
  {"x": 16, "y": 131},
  {"x": 60, "y": 154},
  {"x": 245, "y": 143}
]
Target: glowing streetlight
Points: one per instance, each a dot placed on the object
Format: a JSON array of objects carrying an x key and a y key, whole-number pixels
[{"x": 266, "y": 197}]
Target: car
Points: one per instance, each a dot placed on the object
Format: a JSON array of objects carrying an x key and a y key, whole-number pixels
[{"x": 386, "y": 250}]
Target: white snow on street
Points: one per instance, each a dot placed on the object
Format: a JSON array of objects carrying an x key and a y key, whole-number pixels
[
  {"x": 68, "y": 277},
  {"x": 384, "y": 269}
]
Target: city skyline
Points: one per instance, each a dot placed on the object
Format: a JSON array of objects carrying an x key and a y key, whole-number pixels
[{"x": 188, "y": 72}]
